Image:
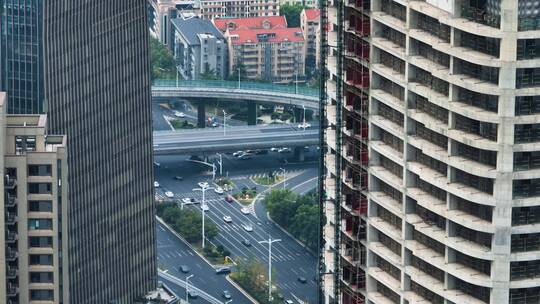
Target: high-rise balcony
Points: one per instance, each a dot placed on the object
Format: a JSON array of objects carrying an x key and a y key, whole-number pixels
[
  {"x": 12, "y": 272},
  {"x": 11, "y": 237},
  {"x": 480, "y": 15},
  {"x": 10, "y": 182},
  {"x": 11, "y": 254},
  {"x": 11, "y": 218},
  {"x": 11, "y": 201},
  {"x": 12, "y": 290}
]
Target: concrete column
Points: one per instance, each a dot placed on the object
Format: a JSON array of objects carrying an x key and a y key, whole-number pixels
[
  {"x": 252, "y": 113},
  {"x": 201, "y": 114},
  {"x": 300, "y": 154}
]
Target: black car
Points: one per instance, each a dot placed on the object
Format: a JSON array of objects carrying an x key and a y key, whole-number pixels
[
  {"x": 259, "y": 152},
  {"x": 302, "y": 280},
  {"x": 223, "y": 270},
  {"x": 184, "y": 268},
  {"x": 179, "y": 178},
  {"x": 246, "y": 243}
]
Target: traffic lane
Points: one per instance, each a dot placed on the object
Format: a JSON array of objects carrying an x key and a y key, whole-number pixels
[
  {"x": 290, "y": 259},
  {"x": 172, "y": 253},
  {"x": 158, "y": 120},
  {"x": 181, "y": 292}
]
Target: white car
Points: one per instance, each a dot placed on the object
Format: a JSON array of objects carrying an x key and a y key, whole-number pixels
[
  {"x": 156, "y": 184},
  {"x": 203, "y": 184},
  {"x": 186, "y": 200},
  {"x": 169, "y": 194},
  {"x": 245, "y": 210},
  {"x": 205, "y": 207},
  {"x": 227, "y": 219},
  {"x": 274, "y": 149},
  {"x": 218, "y": 190},
  {"x": 304, "y": 125},
  {"x": 237, "y": 153},
  {"x": 179, "y": 114},
  {"x": 215, "y": 125},
  {"x": 284, "y": 150},
  {"x": 247, "y": 227}
]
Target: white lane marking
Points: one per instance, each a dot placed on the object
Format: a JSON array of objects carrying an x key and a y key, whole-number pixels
[{"x": 303, "y": 183}]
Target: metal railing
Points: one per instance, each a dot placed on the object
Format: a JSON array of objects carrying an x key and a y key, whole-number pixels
[{"x": 244, "y": 85}]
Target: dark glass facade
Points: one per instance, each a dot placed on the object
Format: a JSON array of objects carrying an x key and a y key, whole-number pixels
[
  {"x": 90, "y": 73},
  {"x": 21, "y": 65}
]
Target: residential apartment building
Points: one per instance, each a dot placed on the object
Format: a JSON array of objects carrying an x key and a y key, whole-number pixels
[
  {"x": 310, "y": 24},
  {"x": 210, "y": 9},
  {"x": 274, "y": 55},
  {"x": 250, "y": 23},
  {"x": 92, "y": 79},
  {"x": 160, "y": 14},
  {"x": 432, "y": 197},
  {"x": 34, "y": 204},
  {"x": 304, "y": 3},
  {"x": 199, "y": 48}
]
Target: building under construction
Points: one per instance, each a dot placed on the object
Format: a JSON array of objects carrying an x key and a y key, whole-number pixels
[{"x": 430, "y": 132}]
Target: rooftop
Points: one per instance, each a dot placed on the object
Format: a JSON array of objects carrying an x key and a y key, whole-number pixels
[
  {"x": 312, "y": 14},
  {"x": 190, "y": 27},
  {"x": 264, "y": 35},
  {"x": 252, "y": 23}
]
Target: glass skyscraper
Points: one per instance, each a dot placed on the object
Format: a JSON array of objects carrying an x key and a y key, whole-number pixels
[{"x": 85, "y": 63}]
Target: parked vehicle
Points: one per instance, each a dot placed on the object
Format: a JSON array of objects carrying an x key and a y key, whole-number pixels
[
  {"x": 223, "y": 270},
  {"x": 245, "y": 210},
  {"x": 169, "y": 194},
  {"x": 184, "y": 268},
  {"x": 156, "y": 185},
  {"x": 227, "y": 219},
  {"x": 229, "y": 198},
  {"x": 218, "y": 190}
]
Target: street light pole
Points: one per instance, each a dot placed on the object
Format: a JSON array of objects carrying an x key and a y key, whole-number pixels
[
  {"x": 269, "y": 242},
  {"x": 283, "y": 170},
  {"x": 304, "y": 107},
  {"x": 187, "y": 287},
  {"x": 296, "y": 82},
  {"x": 203, "y": 190},
  {"x": 220, "y": 164}
]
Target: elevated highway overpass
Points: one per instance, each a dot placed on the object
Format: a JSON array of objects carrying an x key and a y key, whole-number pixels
[
  {"x": 251, "y": 92},
  {"x": 235, "y": 138}
]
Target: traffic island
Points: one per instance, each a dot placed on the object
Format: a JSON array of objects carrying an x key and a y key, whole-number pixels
[
  {"x": 267, "y": 181},
  {"x": 246, "y": 197}
]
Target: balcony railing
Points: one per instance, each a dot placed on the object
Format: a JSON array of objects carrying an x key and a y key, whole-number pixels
[
  {"x": 11, "y": 237},
  {"x": 480, "y": 15},
  {"x": 11, "y": 218}
]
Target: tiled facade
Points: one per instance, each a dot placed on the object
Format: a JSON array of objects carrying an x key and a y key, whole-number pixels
[
  {"x": 447, "y": 209},
  {"x": 34, "y": 205}
]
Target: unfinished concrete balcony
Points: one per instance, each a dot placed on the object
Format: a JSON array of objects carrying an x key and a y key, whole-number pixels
[
  {"x": 387, "y": 202},
  {"x": 386, "y": 176},
  {"x": 389, "y": 46},
  {"x": 388, "y": 125},
  {"x": 385, "y": 278},
  {"x": 389, "y": 20},
  {"x": 389, "y": 99}
]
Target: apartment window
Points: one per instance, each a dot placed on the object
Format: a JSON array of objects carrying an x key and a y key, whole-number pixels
[
  {"x": 479, "y": 292},
  {"x": 483, "y": 266},
  {"x": 434, "y": 27},
  {"x": 25, "y": 144},
  {"x": 41, "y": 277},
  {"x": 526, "y": 160},
  {"x": 484, "y": 129},
  {"x": 389, "y": 217},
  {"x": 395, "y": 142},
  {"x": 526, "y": 133},
  {"x": 388, "y": 268},
  {"x": 527, "y": 105},
  {"x": 525, "y": 242},
  {"x": 40, "y": 241},
  {"x": 482, "y": 44},
  {"x": 480, "y": 238},
  {"x": 528, "y": 49},
  {"x": 526, "y": 188},
  {"x": 392, "y": 35},
  {"x": 425, "y": 78},
  {"x": 388, "y": 293},
  {"x": 485, "y": 73},
  {"x": 426, "y": 293},
  {"x": 39, "y": 188},
  {"x": 525, "y": 215},
  {"x": 480, "y": 183},
  {"x": 40, "y": 206},
  {"x": 391, "y": 166},
  {"x": 430, "y": 162},
  {"x": 524, "y": 270},
  {"x": 480, "y": 211},
  {"x": 483, "y": 101},
  {"x": 394, "y": 9},
  {"x": 432, "y": 54},
  {"x": 475, "y": 10},
  {"x": 39, "y": 170},
  {"x": 430, "y": 218},
  {"x": 40, "y": 259},
  {"x": 430, "y": 189},
  {"x": 391, "y": 88},
  {"x": 478, "y": 155},
  {"x": 431, "y": 136},
  {"x": 41, "y": 295},
  {"x": 392, "y": 62},
  {"x": 390, "y": 114},
  {"x": 390, "y": 243},
  {"x": 528, "y": 77},
  {"x": 390, "y": 191},
  {"x": 429, "y": 242},
  {"x": 40, "y": 224},
  {"x": 525, "y": 295},
  {"x": 427, "y": 268}
]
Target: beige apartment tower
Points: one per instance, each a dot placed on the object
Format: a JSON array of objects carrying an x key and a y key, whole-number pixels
[
  {"x": 34, "y": 198},
  {"x": 431, "y": 125}
]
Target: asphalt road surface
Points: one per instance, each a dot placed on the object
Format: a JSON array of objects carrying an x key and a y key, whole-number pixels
[{"x": 289, "y": 258}]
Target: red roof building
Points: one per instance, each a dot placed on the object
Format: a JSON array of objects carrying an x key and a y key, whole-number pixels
[
  {"x": 275, "y": 55},
  {"x": 312, "y": 14},
  {"x": 252, "y": 23},
  {"x": 310, "y": 22}
]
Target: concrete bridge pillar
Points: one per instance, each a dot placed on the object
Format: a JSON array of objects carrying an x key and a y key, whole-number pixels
[
  {"x": 298, "y": 115},
  {"x": 300, "y": 154},
  {"x": 201, "y": 114},
  {"x": 252, "y": 113}
]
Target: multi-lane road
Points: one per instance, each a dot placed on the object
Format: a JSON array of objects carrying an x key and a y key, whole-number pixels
[{"x": 289, "y": 258}]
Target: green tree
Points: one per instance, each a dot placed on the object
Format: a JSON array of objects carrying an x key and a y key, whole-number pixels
[
  {"x": 188, "y": 223},
  {"x": 234, "y": 72},
  {"x": 209, "y": 75},
  {"x": 305, "y": 225},
  {"x": 291, "y": 13},
  {"x": 252, "y": 275},
  {"x": 162, "y": 61},
  {"x": 282, "y": 205}
]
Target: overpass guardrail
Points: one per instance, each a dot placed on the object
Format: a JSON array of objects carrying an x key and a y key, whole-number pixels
[{"x": 245, "y": 85}]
